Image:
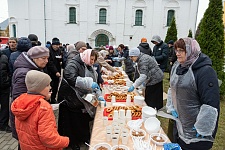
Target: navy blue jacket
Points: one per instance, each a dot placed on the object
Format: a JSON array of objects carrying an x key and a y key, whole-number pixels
[{"x": 160, "y": 52}]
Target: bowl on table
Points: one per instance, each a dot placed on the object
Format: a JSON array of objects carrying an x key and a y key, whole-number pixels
[
  {"x": 137, "y": 133},
  {"x": 139, "y": 100},
  {"x": 117, "y": 147},
  {"x": 148, "y": 112},
  {"x": 152, "y": 125},
  {"x": 100, "y": 146},
  {"x": 158, "y": 138},
  {"x": 133, "y": 125}
]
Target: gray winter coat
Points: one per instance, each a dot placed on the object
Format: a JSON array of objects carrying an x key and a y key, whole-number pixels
[{"x": 149, "y": 71}]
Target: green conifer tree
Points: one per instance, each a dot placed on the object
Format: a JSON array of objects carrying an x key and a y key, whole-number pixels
[
  {"x": 211, "y": 38},
  {"x": 198, "y": 30},
  {"x": 190, "y": 33},
  {"x": 172, "y": 31}
]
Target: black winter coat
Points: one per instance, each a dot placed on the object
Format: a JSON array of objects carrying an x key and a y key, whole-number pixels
[
  {"x": 5, "y": 79},
  {"x": 73, "y": 69},
  {"x": 144, "y": 48},
  {"x": 54, "y": 65},
  {"x": 160, "y": 52}
]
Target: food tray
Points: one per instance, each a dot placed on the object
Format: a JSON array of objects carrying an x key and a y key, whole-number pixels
[
  {"x": 117, "y": 100},
  {"x": 111, "y": 118}
]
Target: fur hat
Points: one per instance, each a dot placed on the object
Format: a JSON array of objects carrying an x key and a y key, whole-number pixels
[
  {"x": 80, "y": 44},
  {"x": 143, "y": 40},
  {"x": 134, "y": 52},
  {"x": 36, "y": 81},
  {"x": 38, "y": 51},
  {"x": 55, "y": 41}
]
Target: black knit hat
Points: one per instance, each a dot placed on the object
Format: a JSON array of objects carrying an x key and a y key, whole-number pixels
[
  {"x": 170, "y": 42},
  {"x": 55, "y": 41},
  {"x": 33, "y": 37}
]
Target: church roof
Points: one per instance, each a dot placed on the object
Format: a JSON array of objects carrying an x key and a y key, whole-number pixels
[{"x": 4, "y": 24}]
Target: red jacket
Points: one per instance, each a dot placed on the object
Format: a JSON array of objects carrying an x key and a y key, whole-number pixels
[{"x": 35, "y": 124}]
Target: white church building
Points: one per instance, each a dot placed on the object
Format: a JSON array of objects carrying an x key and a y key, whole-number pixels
[{"x": 100, "y": 22}]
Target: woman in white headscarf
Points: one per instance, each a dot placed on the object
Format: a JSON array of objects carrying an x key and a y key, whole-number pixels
[{"x": 195, "y": 96}]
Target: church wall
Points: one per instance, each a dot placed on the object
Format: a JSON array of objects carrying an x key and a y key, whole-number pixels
[{"x": 30, "y": 17}]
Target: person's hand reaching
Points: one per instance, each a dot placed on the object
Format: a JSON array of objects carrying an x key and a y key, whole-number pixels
[
  {"x": 131, "y": 88},
  {"x": 100, "y": 98},
  {"x": 95, "y": 86}
]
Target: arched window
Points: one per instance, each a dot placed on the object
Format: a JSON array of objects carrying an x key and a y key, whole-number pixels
[
  {"x": 72, "y": 15},
  {"x": 102, "y": 16},
  {"x": 138, "y": 17},
  {"x": 14, "y": 30},
  {"x": 101, "y": 40},
  {"x": 170, "y": 16}
]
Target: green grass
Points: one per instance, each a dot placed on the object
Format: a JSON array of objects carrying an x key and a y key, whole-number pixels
[{"x": 219, "y": 143}]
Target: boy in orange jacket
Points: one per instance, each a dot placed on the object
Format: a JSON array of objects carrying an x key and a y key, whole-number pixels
[{"x": 34, "y": 117}]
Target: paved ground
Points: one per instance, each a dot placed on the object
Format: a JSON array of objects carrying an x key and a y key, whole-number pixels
[{"x": 7, "y": 142}]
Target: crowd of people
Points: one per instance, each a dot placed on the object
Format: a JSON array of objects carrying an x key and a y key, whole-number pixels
[{"x": 35, "y": 76}]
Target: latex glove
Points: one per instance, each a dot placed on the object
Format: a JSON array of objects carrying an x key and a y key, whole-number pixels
[
  {"x": 100, "y": 98},
  {"x": 131, "y": 88},
  {"x": 174, "y": 113},
  {"x": 115, "y": 58},
  {"x": 171, "y": 146},
  {"x": 95, "y": 86},
  {"x": 197, "y": 134}
]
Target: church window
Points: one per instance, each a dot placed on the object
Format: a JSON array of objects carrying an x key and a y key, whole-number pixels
[
  {"x": 101, "y": 40},
  {"x": 14, "y": 30},
  {"x": 170, "y": 16},
  {"x": 102, "y": 16},
  {"x": 72, "y": 15},
  {"x": 138, "y": 17}
]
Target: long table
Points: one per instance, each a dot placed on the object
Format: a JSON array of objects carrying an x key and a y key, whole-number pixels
[{"x": 99, "y": 131}]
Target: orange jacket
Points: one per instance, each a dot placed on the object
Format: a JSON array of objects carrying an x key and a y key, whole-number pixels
[{"x": 35, "y": 124}]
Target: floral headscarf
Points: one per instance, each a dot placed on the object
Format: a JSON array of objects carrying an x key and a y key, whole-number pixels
[
  {"x": 86, "y": 57},
  {"x": 192, "y": 51}
]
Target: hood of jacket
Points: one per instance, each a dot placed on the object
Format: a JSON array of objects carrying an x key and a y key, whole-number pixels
[
  {"x": 144, "y": 45},
  {"x": 23, "y": 61},
  {"x": 77, "y": 59},
  {"x": 203, "y": 60},
  {"x": 25, "y": 105}
]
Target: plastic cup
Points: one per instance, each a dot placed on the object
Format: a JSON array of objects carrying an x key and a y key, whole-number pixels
[
  {"x": 108, "y": 136},
  {"x": 121, "y": 114},
  {"x": 105, "y": 120},
  {"x": 122, "y": 122},
  {"x": 124, "y": 139},
  {"x": 102, "y": 104},
  {"x": 113, "y": 99},
  {"x": 109, "y": 129},
  {"x": 128, "y": 100},
  {"x": 115, "y": 140},
  {"x": 128, "y": 113},
  {"x": 115, "y": 114}
]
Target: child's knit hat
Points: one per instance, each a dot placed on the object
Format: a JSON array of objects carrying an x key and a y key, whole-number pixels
[{"x": 36, "y": 81}]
